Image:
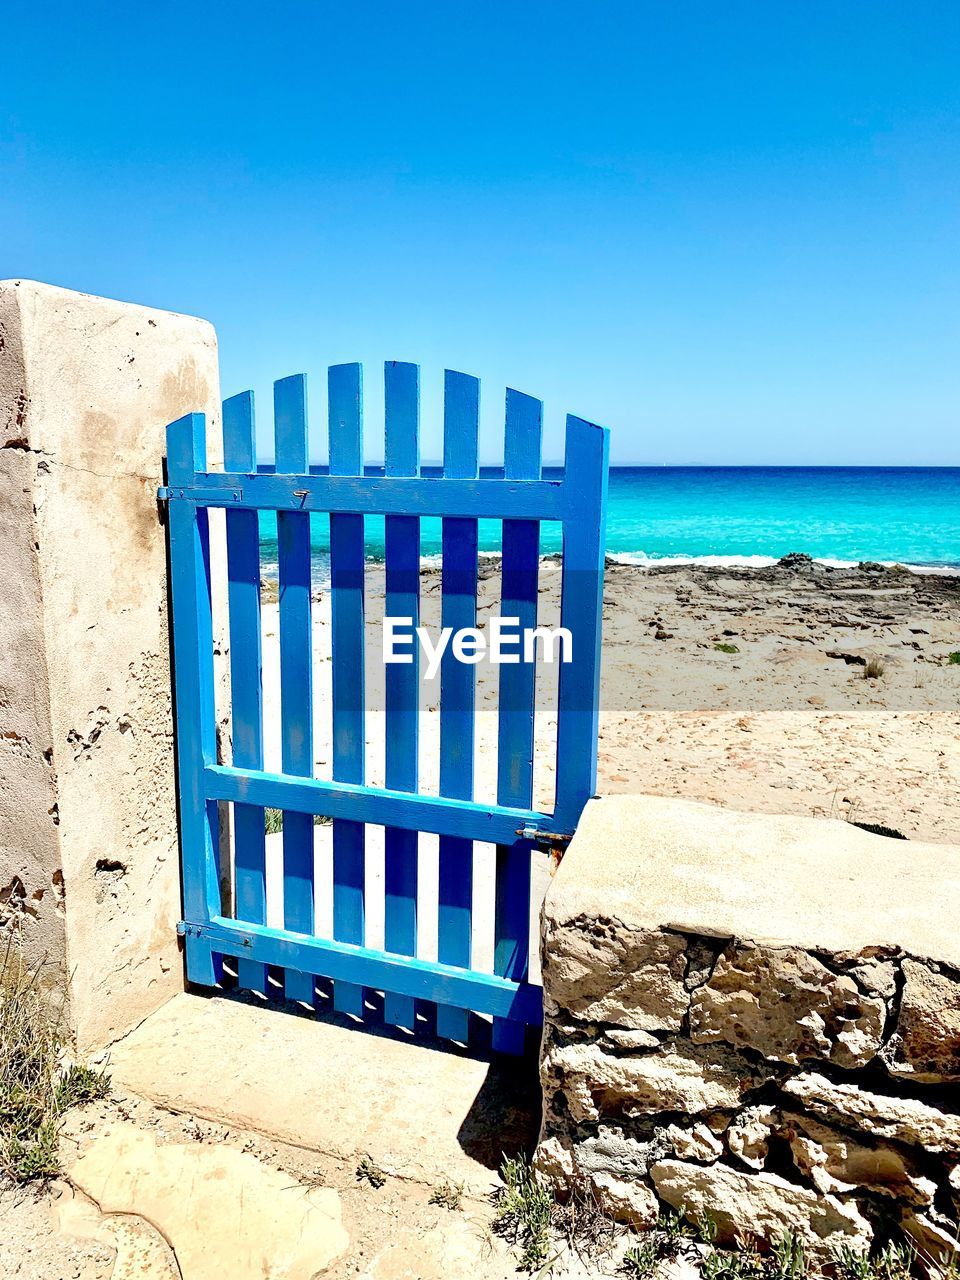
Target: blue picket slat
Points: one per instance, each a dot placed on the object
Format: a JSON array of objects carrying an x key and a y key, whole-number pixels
[
  {"x": 347, "y": 659},
  {"x": 402, "y": 600},
  {"x": 246, "y": 678},
  {"x": 296, "y": 669},
  {"x": 586, "y": 463},
  {"x": 461, "y": 416},
  {"x": 518, "y": 599},
  {"x": 196, "y": 715}
]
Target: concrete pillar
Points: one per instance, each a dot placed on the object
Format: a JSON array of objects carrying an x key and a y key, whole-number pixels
[{"x": 89, "y": 874}]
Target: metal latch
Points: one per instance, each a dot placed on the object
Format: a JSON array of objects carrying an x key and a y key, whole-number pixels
[
  {"x": 543, "y": 837},
  {"x": 555, "y": 842}
]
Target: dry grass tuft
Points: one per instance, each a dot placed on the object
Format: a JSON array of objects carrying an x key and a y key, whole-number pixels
[{"x": 36, "y": 1089}]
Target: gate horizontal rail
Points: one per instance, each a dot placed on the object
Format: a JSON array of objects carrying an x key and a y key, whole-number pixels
[
  {"x": 379, "y": 806},
  {"x": 382, "y": 495},
  {"x": 411, "y": 976}
]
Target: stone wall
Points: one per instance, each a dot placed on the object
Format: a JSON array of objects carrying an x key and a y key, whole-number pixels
[
  {"x": 756, "y": 1018},
  {"x": 89, "y": 877}
]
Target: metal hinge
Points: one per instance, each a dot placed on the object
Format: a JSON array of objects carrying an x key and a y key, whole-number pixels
[
  {"x": 187, "y": 930},
  {"x": 222, "y": 496}
]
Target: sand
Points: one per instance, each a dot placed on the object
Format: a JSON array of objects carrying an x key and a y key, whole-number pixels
[{"x": 784, "y": 719}]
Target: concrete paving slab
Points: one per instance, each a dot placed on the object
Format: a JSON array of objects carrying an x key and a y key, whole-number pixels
[{"x": 328, "y": 1086}]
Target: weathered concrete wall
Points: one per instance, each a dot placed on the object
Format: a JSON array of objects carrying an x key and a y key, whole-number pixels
[
  {"x": 31, "y": 880},
  {"x": 755, "y": 1017},
  {"x": 88, "y": 843}
]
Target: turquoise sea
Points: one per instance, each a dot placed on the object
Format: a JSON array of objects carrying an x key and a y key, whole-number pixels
[{"x": 741, "y": 515}]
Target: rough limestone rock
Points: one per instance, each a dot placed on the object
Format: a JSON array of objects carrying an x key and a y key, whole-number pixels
[
  {"x": 937, "y": 1243},
  {"x": 697, "y": 1143},
  {"x": 592, "y": 975},
  {"x": 612, "y": 1165},
  {"x": 760, "y": 1205},
  {"x": 614, "y": 1149},
  {"x": 876, "y": 977},
  {"x": 554, "y": 1159},
  {"x": 788, "y": 1006},
  {"x": 680, "y": 1078},
  {"x": 760, "y": 1020},
  {"x": 836, "y": 1162},
  {"x": 264, "y": 1224},
  {"x": 748, "y": 1136},
  {"x": 631, "y": 1040},
  {"x": 625, "y": 1199},
  {"x": 904, "y": 1120},
  {"x": 928, "y": 1042}
]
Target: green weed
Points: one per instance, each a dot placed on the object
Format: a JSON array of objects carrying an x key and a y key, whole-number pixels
[
  {"x": 673, "y": 1231},
  {"x": 742, "y": 1263},
  {"x": 642, "y": 1260},
  {"x": 895, "y": 1261},
  {"x": 81, "y": 1084},
  {"x": 852, "y": 1263},
  {"x": 670, "y": 1238},
  {"x": 449, "y": 1195},
  {"x": 788, "y": 1258},
  {"x": 706, "y": 1228},
  {"x": 892, "y": 1262},
  {"x": 524, "y": 1209},
  {"x": 369, "y": 1171}
]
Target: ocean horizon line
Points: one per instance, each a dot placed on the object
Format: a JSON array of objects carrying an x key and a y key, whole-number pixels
[{"x": 321, "y": 468}]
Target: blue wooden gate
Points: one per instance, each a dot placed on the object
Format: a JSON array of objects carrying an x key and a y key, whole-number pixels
[{"x": 521, "y": 499}]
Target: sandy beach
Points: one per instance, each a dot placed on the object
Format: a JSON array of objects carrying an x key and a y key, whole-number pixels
[
  {"x": 745, "y": 687},
  {"x": 742, "y": 687},
  {"x": 791, "y": 721}
]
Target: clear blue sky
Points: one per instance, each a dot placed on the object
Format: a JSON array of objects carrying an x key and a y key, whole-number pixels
[{"x": 731, "y": 232}]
